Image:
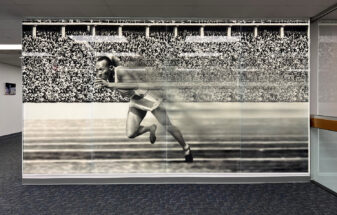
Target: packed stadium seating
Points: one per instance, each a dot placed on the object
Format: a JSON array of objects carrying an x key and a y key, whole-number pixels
[{"x": 266, "y": 68}]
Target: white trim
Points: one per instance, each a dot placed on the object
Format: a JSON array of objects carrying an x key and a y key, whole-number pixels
[
  {"x": 309, "y": 94},
  {"x": 317, "y": 71},
  {"x": 322, "y": 23},
  {"x": 162, "y": 175},
  {"x": 10, "y": 47}
]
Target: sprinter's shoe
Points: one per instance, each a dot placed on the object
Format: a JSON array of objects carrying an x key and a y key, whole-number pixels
[
  {"x": 188, "y": 155},
  {"x": 153, "y": 133}
]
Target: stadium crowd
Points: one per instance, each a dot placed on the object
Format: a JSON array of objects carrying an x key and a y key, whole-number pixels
[{"x": 266, "y": 68}]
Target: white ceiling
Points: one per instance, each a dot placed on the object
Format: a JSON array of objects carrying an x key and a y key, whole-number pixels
[
  {"x": 13, "y": 11},
  {"x": 332, "y": 16}
]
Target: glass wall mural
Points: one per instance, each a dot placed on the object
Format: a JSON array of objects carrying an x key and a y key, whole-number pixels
[{"x": 116, "y": 96}]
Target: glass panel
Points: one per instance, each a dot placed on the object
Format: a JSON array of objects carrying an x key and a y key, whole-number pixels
[
  {"x": 327, "y": 69},
  {"x": 324, "y": 170},
  {"x": 274, "y": 102},
  {"x": 204, "y": 62},
  {"x": 122, "y": 114},
  {"x": 57, "y": 91}
]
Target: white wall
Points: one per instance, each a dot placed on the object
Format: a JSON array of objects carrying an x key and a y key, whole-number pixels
[{"x": 10, "y": 105}]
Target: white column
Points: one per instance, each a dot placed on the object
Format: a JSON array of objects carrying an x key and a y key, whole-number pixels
[
  {"x": 88, "y": 28},
  {"x": 229, "y": 31},
  {"x": 34, "y": 31},
  {"x": 93, "y": 30},
  {"x": 147, "y": 31},
  {"x": 282, "y": 31},
  {"x": 175, "y": 31},
  {"x": 255, "y": 31},
  {"x": 120, "y": 31},
  {"x": 63, "y": 31},
  {"x": 202, "y": 31}
]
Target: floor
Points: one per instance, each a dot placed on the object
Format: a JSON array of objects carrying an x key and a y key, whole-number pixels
[{"x": 15, "y": 198}]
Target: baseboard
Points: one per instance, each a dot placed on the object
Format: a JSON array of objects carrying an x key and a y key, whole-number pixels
[
  {"x": 165, "y": 180},
  {"x": 324, "y": 187},
  {"x": 7, "y": 136}
]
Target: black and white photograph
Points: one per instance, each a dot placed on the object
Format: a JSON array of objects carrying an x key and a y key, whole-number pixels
[
  {"x": 10, "y": 89},
  {"x": 124, "y": 96},
  {"x": 168, "y": 107}
]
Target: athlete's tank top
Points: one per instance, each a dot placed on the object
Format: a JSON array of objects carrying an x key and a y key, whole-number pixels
[{"x": 129, "y": 93}]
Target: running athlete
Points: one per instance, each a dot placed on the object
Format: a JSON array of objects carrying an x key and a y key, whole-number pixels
[{"x": 142, "y": 100}]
